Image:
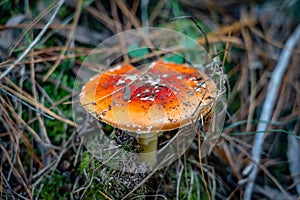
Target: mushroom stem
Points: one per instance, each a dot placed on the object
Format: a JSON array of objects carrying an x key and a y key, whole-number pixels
[{"x": 149, "y": 146}]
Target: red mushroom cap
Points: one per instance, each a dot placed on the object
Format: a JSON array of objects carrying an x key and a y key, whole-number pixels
[{"x": 164, "y": 97}]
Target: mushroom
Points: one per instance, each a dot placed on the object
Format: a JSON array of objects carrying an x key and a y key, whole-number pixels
[{"x": 146, "y": 102}]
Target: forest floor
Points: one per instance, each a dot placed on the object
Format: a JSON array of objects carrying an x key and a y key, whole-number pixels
[{"x": 43, "y": 47}]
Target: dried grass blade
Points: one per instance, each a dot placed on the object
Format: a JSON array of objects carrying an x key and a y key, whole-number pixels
[
  {"x": 31, "y": 151},
  {"x": 237, "y": 26},
  {"x": 31, "y": 101},
  {"x": 16, "y": 172},
  {"x": 74, "y": 24}
]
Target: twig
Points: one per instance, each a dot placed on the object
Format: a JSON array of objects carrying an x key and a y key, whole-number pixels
[
  {"x": 134, "y": 6},
  {"x": 35, "y": 41},
  {"x": 74, "y": 24},
  {"x": 105, "y": 19},
  {"x": 125, "y": 10},
  {"x": 35, "y": 26},
  {"x": 271, "y": 96},
  {"x": 30, "y": 100},
  {"x": 26, "y": 104}
]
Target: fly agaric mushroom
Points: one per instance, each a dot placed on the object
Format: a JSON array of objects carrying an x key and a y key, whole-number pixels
[{"x": 147, "y": 102}]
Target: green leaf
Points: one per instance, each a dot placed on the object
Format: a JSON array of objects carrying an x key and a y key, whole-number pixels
[
  {"x": 175, "y": 58},
  {"x": 135, "y": 51}
]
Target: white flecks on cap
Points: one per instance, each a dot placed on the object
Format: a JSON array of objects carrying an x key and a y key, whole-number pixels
[
  {"x": 101, "y": 116},
  {"x": 116, "y": 104},
  {"x": 152, "y": 65},
  {"x": 93, "y": 78},
  {"x": 82, "y": 94},
  {"x": 149, "y": 128},
  {"x": 199, "y": 89},
  {"x": 131, "y": 77},
  {"x": 138, "y": 131},
  {"x": 147, "y": 98},
  {"x": 155, "y": 82},
  {"x": 120, "y": 82},
  {"x": 118, "y": 67}
]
